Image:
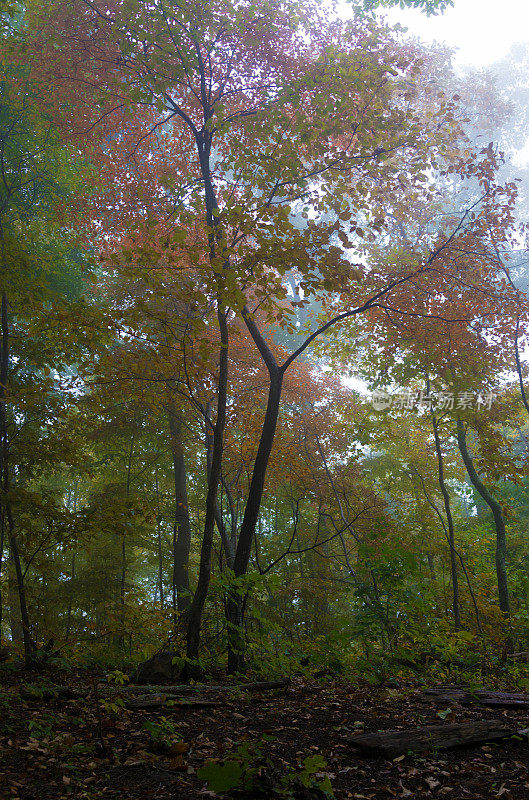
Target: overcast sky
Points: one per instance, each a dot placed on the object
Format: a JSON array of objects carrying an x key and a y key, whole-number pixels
[{"x": 481, "y": 30}]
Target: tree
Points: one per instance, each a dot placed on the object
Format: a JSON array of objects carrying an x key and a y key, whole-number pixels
[
  {"x": 499, "y": 523},
  {"x": 428, "y": 6},
  {"x": 229, "y": 117}
]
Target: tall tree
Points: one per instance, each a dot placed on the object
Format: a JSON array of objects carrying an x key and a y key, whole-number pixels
[
  {"x": 236, "y": 114},
  {"x": 499, "y": 522},
  {"x": 39, "y": 264}
]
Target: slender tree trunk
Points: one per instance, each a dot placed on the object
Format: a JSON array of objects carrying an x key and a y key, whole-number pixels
[
  {"x": 228, "y": 541},
  {"x": 182, "y": 525},
  {"x": 519, "y": 365},
  {"x": 194, "y": 613},
  {"x": 159, "y": 541},
  {"x": 431, "y": 563},
  {"x": 217, "y": 249},
  {"x": 6, "y": 483},
  {"x": 236, "y": 601},
  {"x": 123, "y": 577},
  {"x": 15, "y": 623},
  {"x": 2, "y": 544},
  {"x": 70, "y": 595},
  {"x": 21, "y": 589},
  {"x": 501, "y": 539},
  {"x": 449, "y": 522}
]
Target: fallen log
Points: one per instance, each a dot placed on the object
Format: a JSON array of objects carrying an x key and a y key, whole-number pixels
[
  {"x": 484, "y": 697},
  {"x": 154, "y": 700},
  {"x": 51, "y": 692},
  {"x": 196, "y": 688},
  {"x": 434, "y": 737},
  {"x": 104, "y": 690}
]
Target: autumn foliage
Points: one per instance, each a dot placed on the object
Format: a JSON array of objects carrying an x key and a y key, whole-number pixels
[{"x": 234, "y": 208}]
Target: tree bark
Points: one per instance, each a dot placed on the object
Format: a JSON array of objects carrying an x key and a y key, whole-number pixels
[
  {"x": 6, "y": 483},
  {"x": 194, "y": 614},
  {"x": 123, "y": 577},
  {"x": 203, "y": 141},
  {"x": 72, "y": 578},
  {"x": 70, "y": 597},
  {"x": 21, "y": 589},
  {"x": 159, "y": 542},
  {"x": 182, "y": 525},
  {"x": 519, "y": 365},
  {"x": 2, "y": 543},
  {"x": 501, "y": 539},
  {"x": 449, "y": 522},
  {"x": 236, "y": 600}
]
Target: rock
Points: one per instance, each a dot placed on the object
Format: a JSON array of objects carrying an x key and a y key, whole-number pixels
[{"x": 159, "y": 668}]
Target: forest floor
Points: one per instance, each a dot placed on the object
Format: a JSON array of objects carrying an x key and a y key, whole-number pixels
[{"x": 50, "y": 749}]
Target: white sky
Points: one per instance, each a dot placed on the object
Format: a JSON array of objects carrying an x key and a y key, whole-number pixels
[{"x": 481, "y": 30}]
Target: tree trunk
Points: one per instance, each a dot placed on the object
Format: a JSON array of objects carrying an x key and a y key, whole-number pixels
[
  {"x": 229, "y": 542},
  {"x": 235, "y": 605},
  {"x": 123, "y": 575},
  {"x": 2, "y": 542},
  {"x": 70, "y": 593},
  {"x": 159, "y": 542},
  {"x": 70, "y": 598},
  {"x": 182, "y": 525},
  {"x": 519, "y": 365},
  {"x": 450, "y": 523},
  {"x": 501, "y": 539},
  {"x": 21, "y": 589},
  {"x": 6, "y": 482},
  {"x": 15, "y": 623},
  {"x": 194, "y": 615}
]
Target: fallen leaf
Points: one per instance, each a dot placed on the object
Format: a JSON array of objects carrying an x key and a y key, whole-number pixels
[
  {"x": 177, "y": 762},
  {"x": 179, "y": 747}
]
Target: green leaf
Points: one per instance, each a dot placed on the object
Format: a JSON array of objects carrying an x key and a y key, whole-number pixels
[{"x": 221, "y": 776}]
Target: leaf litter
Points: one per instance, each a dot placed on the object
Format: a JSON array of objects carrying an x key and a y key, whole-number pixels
[{"x": 57, "y": 749}]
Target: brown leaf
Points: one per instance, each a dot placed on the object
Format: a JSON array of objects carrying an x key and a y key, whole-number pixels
[{"x": 177, "y": 763}]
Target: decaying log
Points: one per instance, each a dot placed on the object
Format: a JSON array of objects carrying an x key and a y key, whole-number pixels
[
  {"x": 434, "y": 737},
  {"x": 171, "y": 692},
  {"x": 197, "y": 688},
  {"x": 484, "y": 697},
  {"x": 52, "y": 692},
  {"x": 520, "y": 657},
  {"x": 154, "y": 700}
]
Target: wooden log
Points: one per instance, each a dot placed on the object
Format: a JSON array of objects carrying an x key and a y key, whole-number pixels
[
  {"x": 52, "y": 693},
  {"x": 434, "y": 737},
  {"x": 523, "y": 657},
  {"x": 154, "y": 700},
  {"x": 197, "y": 688},
  {"x": 484, "y": 697},
  {"x": 105, "y": 690}
]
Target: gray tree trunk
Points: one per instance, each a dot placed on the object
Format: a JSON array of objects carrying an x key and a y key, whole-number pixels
[{"x": 501, "y": 539}]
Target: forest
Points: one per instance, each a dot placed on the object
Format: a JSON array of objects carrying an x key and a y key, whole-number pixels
[{"x": 264, "y": 404}]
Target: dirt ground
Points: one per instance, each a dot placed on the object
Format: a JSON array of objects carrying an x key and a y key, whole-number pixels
[{"x": 71, "y": 748}]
